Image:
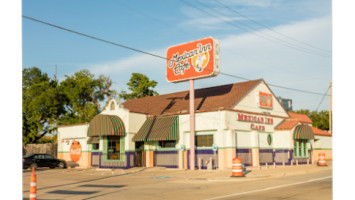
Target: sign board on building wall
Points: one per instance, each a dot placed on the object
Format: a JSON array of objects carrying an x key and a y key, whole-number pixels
[
  {"x": 256, "y": 122},
  {"x": 265, "y": 100},
  {"x": 193, "y": 60},
  {"x": 75, "y": 151}
]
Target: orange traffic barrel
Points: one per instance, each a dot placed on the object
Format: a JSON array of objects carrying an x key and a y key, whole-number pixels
[
  {"x": 33, "y": 195},
  {"x": 321, "y": 159},
  {"x": 237, "y": 167}
]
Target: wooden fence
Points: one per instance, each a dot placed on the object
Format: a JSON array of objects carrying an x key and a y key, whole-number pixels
[{"x": 48, "y": 148}]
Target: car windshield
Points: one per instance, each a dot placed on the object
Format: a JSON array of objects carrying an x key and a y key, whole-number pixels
[{"x": 29, "y": 156}]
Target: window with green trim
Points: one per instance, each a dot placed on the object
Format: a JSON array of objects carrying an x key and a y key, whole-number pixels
[
  {"x": 114, "y": 148},
  {"x": 300, "y": 148},
  {"x": 95, "y": 147}
]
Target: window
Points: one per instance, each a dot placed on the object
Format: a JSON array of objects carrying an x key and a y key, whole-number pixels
[
  {"x": 167, "y": 144},
  {"x": 47, "y": 156},
  {"x": 203, "y": 140},
  {"x": 112, "y": 106},
  {"x": 113, "y": 148},
  {"x": 269, "y": 139},
  {"x": 300, "y": 148},
  {"x": 96, "y": 146}
]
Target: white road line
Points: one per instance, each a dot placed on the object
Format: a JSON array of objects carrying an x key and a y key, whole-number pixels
[{"x": 269, "y": 188}]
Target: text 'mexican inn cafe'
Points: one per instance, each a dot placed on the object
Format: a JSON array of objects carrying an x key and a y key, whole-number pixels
[{"x": 236, "y": 120}]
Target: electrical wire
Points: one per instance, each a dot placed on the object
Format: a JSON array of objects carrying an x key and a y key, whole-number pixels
[
  {"x": 151, "y": 54},
  {"x": 92, "y": 37},
  {"x": 269, "y": 28},
  {"x": 322, "y": 98},
  {"x": 278, "y": 41}
]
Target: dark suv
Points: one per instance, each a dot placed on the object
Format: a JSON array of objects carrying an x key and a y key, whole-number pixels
[{"x": 42, "y": 160}]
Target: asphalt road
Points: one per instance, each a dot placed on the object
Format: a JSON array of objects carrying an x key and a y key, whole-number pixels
[{"x": 173, "y": 184}]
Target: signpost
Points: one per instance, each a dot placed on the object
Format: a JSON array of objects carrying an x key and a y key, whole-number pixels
[{"x": 190, "y": 61}]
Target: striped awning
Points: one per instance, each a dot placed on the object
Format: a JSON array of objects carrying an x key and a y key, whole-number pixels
[
  {"x": 106, "y": 125},
  {"x": 93, "y": 140},
  {"x": 303, "y": 132},
  {"x": 159, "y": 129}
]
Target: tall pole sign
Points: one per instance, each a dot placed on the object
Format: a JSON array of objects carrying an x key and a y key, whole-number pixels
[{"x": 190, "y": 61}]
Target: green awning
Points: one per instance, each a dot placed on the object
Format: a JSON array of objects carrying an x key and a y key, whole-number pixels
[
  {"x": 303, "y": 132},
  {"x": 106, "y": 125},
  {"x": 159, "y": 129},
  {"x": 93, "y": 140}
]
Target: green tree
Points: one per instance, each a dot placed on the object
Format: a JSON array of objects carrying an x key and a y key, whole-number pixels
[
  {"x": 42, "y": 104},
  {"x": 46, "y": 103},
  {"x": 319, "y": 119},
  {"x": 140, "y": 86},
  {"x": 83, "y": 93}
]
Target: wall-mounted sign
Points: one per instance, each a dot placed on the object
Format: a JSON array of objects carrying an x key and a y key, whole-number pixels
[
  {"x": 75, "y": 151},
  {"x": 193, "y": 60},
  {"x": 214, "y": 147},
  {"x": 265, "y": 100},
  {"x": 256, "y": 121}
]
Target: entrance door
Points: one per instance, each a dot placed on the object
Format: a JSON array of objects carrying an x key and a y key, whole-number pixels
[{"x": 139, "y": 155}]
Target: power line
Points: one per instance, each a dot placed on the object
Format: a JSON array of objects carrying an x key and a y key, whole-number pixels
[
  {"x": 322, "y": 98},
  {"x": 269, "y": 37},
  {"x": 269, "y": 28},
  {"x": 151, "y": 54},
  {"x": 278, "y": 41},
  {"x": 92, "y": 37}
]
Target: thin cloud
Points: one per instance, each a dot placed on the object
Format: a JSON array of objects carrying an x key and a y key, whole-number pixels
[{"x": 247, "y": 55}]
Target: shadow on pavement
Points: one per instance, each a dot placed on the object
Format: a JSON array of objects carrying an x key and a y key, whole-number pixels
[
  {"x": 103, "y": 186},
  {"x": 247, "y": 172},
  {"x": 72, "y": 192}
]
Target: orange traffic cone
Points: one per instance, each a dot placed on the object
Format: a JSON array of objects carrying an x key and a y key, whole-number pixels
[
  {"x": 321, "y": 159},
  {"x": 33, "y": 195},
  {"x": 237, "y": 167}
]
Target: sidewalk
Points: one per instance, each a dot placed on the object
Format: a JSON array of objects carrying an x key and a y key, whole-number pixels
[{"x": 225, "y": 174}]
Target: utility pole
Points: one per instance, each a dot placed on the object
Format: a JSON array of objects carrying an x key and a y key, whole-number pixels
[
  {"x": 330, "y": 108},
  {"x": 55, "y": 73}
]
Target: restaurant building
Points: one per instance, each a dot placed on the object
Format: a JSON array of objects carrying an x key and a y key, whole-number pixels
[{"x": 241, "y": 119}]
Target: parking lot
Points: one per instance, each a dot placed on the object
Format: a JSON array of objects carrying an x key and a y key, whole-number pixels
[{"x": 162, "y": 183}]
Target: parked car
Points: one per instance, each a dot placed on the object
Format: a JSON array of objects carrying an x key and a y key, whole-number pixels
[{"x": 42, "y": 160}]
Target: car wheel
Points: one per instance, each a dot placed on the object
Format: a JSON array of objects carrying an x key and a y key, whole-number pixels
[
  {"x": 34, "y": 165},
  {"x": 61, "y": 165}
]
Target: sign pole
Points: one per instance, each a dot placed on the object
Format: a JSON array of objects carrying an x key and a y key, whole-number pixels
[{"x": 192, "y": 125}]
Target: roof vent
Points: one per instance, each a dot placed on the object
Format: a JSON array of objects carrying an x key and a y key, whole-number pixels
[{"x": 184, "y": 111}]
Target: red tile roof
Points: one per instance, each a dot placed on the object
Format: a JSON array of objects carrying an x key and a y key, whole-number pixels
[
  {"x": 302, "y": 117},
  {"x": 288, "y": 124},
  {"x": 318, "y": 131},
  {"x": 206, "y": 99}
]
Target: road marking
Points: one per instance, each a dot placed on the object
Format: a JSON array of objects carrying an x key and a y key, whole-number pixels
[{"x": 270, "y": 188}]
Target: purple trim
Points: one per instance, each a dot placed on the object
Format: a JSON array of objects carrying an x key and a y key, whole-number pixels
[
  {"x": 243, "y": 150},
  {"x": 168, "y": 166},
  {"x": 205, "y": 151}
]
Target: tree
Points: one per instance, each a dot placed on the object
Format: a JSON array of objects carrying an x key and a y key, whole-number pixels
[
  {"x": 319, "y": 119},
  {"x": 46, "y": 103},
  {"x": 140, "y": 86},
  {"x": 42, "y": 104},
  {"x": 83, "y": 95}
]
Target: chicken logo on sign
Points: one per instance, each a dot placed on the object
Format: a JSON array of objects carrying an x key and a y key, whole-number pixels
[
  {"x": 193, "y": 60},
  {"x": 200, "y": 61}
]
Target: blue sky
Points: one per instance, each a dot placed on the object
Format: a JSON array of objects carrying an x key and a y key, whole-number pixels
[{"x": 248, "y": 49}]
